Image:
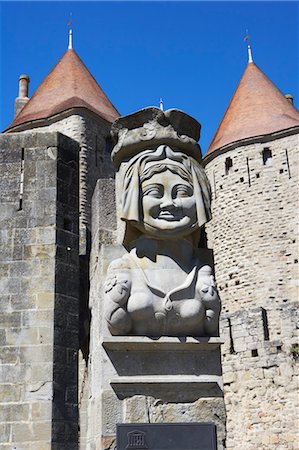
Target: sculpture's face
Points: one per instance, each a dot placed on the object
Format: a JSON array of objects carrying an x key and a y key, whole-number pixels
[{"x": 169, "y": 207}]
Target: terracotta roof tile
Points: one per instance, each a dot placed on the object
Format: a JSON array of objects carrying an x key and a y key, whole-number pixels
[
  {"x": 68, "y": 85},
  {"x": 257, "y": 108}
]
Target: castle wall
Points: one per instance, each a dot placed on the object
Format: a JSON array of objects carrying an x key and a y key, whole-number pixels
[
  {"x": 93, "y": 135},
  {"x": 253, "y": 231},
  {"x": 260, "y": 380},
  {"x": 39, "y": 291},
  {"x": 254, "y": 236}
]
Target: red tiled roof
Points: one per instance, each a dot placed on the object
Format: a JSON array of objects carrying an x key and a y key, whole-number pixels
[
  {"x": 68, "y": 85},
  {"x": 256, "y": 108}
]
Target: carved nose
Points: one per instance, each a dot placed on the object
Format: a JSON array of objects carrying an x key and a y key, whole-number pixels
[{"x": 167, "y": 202}]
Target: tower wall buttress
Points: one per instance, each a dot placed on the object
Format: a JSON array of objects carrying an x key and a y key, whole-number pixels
[
  {"x": 39, "y": 318},
  {"x": 254, "y": 236}
]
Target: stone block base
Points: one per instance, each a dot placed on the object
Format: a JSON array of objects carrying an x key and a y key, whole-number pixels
[{"x": 169, "y": 380}]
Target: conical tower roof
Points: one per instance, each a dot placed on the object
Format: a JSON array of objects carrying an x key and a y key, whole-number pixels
[
  {"x": 68, "y": 85},
  {"x": 257, "y": 108}
]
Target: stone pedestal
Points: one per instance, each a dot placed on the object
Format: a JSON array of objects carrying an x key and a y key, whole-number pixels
[
  {"x": 136, "y": 379},
  {"x": 149, "y": 305}
]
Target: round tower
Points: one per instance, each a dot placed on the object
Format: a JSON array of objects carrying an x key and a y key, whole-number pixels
[{"x": 252, "y": 164}]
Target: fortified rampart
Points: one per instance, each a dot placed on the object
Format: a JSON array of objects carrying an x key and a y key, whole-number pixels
[
  {"x": 260, "y": 376},
  {"x": 39, "y": 291},
  {"x": 253, "y": 230},
  {"x": 254, "y": 235}
]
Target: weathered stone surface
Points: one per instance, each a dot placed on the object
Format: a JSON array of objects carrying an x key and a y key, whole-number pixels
[
  {"x": 33, "y": 274},
  {"x": 255, "y": 242},
  {"x": 4, "y": 432},
  {"x": 134, "y": 377},
  {"x": 112, "y": 413},
  {"x": 165, "y": 201},
  {"x": 10, "y": 393}
]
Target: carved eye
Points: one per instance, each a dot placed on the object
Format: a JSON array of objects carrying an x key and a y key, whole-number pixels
[
  {"x": 182, "y": 190},
  {"x": 155, "y": 191}
]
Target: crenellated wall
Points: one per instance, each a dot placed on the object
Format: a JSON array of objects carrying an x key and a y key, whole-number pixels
[{"x": 260, "y": 376}]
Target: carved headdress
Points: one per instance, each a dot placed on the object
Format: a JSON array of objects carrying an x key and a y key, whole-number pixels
[{"x": 151, "y": 127}]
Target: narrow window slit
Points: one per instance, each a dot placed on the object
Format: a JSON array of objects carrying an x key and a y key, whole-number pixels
[
  {"x": 21, "y": 181},
  {"x": 228, "y": 165},
  {"x": 96, "y": 151},
  {"x": 288, "y": 164},
  {"x": 265, "y": 324},
  {"x": 248, "y": 172},
  {"x": 232, "y": 348}
]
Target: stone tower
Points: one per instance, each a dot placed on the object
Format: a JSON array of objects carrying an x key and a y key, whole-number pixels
[
  {"x": 51, "y": 156},
  {"x": 70, "y": 101},
  {"x": 252, "y": 164}
]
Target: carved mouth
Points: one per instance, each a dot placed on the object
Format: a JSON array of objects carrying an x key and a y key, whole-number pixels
[{"x": 165, "y": 215}]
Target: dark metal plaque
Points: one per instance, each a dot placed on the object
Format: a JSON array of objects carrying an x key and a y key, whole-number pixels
[{"x": 166, "y": 436}]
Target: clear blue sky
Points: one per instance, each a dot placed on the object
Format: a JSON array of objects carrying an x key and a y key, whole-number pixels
[{"x": 192, "y": 54}]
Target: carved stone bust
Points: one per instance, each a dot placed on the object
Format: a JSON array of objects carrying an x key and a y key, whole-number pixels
[{"x": 160, "y": 286}]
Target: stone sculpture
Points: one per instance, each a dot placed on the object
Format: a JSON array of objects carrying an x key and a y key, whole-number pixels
[{"x": 160, "y": 286}]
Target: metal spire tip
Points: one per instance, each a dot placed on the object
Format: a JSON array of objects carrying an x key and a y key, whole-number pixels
[
  {"x": 250, "y": 60},
  {"x": 70, "y": 40},
  {"x": 161, "y": 104},
  {"x": 247, "y": 39},
  {"x": 70, "y": 23}
]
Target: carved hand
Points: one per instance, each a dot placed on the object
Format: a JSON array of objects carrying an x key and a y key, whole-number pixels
[
  {"x": 117, "y": 291},
  {"x": 209, "y": 295},
  {"x": 117, "y": 288}
]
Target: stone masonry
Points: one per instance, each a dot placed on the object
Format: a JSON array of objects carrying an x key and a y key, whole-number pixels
[
  {"x": 254, "y": 235},
  {"x": 92, "y": 133},
  {"x": 254, "y": 225},
  {"x": 260, "y": 378},
  {"x": 39, "y": 291},
  {"x": 142, "y": 392},
  {"x": 57, "y": 228}
]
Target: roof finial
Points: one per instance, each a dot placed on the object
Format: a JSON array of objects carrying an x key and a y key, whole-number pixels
[
  {"x": 70, "y": 23},
  {"x": 250, "y": 60},
  {"x": 161, "y": 104},
  {"x": 246, "y": 39}
]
